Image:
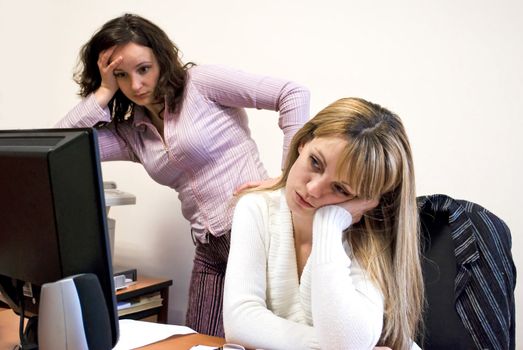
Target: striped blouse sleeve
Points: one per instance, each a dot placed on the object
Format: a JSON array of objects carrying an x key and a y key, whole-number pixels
[
  {"x": 87, "y": 114},
  {"x": 235, "y": 88}
]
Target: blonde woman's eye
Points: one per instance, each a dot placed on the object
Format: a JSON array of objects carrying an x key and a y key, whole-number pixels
[
  {"x": 119, "y": 74},
  {"x": 341, "y": 190},
  {"x": 314, "y": 163}
]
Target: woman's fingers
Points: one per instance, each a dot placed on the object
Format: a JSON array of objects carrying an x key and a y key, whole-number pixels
[
  {"x": 358, "y": 207},
  {"x": 104, "y": 61},
  {"x": 114, "y": 64},
  {"x": 108, "y": 84},
  {"x": 106, "y": 68},
  {"x": 256, "y": 184},
  {"x": 105, "y": 56},
  {"x": 245, "y": 186}
]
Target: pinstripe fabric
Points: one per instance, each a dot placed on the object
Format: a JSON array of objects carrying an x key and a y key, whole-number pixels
[
  {"x": 206, "y": 151},
  {"x": 204, "y": 310},
  {"x": 486, "y": 274}
]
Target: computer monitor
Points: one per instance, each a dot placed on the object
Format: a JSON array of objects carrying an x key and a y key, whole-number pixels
[{"x": 53, "y": 222}]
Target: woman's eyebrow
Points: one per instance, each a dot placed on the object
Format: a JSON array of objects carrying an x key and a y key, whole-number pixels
[
  {"x": 143, "y": 63},
  {"x": 320, "y": 155}
]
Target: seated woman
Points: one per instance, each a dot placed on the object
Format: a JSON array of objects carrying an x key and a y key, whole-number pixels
[{"x": 329, "y": 257}]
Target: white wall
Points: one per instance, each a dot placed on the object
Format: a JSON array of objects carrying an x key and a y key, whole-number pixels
[{"x": 451, "y": 69}]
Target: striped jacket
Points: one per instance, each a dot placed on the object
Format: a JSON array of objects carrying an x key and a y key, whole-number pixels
[{"x": 485, "y": 275}]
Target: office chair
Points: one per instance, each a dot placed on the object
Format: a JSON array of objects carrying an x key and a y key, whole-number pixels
[{"x": 469, "y": 276}]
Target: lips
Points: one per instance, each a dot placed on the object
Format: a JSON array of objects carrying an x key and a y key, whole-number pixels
[{"x": 302, "y": 202}]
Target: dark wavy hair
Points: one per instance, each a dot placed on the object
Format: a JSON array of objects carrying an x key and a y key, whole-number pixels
[{"x": 120, "y": 31}]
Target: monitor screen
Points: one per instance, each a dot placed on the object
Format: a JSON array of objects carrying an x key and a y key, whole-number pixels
[{"x": 53, "y": 222}]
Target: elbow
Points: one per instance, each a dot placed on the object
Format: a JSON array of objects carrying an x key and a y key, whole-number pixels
[
  {"x": 231, "y": 318},
  {"x": 299, "y": 93},
  {"x": 295, "y": 97},
  {"x": 233, "y": 327},
  {"x": 360, "y": 328}
]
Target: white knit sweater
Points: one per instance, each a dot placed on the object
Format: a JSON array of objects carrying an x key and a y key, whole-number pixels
[{"x": 266, "y": 305}]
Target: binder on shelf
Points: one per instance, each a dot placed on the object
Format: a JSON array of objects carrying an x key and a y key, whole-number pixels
[{"x": 141, "y": 303}]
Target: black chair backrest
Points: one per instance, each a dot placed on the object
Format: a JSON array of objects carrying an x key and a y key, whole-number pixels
[
  {"x": 469, "y": 276},
  {"x": 443, "y": 326}
]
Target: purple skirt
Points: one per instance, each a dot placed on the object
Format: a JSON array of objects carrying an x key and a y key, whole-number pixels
[{"x": 205, "y": 308}]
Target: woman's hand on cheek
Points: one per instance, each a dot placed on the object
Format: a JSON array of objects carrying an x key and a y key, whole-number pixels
[{"x": 357, "y": 207}]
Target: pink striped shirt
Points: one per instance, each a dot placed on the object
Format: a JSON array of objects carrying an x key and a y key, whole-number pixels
[{"x": 207, "y": 150}]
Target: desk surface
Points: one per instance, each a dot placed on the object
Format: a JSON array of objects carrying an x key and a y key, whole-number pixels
[{"x": 9, "y": 336}]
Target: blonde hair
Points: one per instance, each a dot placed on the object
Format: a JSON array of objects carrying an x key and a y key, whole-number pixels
[{"x": 377, "y": 163}]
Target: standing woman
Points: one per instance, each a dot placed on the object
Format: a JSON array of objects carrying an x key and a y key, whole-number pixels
[
  {"x": 187, "y": 126},
  {"x": 328, "y": 258}
]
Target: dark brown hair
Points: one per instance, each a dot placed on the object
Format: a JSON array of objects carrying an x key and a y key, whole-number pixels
[{"x": 120, "y": 31}]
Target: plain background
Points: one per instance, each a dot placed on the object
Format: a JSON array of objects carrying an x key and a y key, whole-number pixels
[{"x": 451, "y": 69}]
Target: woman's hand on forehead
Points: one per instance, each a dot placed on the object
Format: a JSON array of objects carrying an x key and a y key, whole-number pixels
[{"x": 108, "y": 84}]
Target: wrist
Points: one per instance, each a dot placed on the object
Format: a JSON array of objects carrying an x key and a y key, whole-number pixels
[
  {"x": 328, "y": 227},
  {"x": 103, "y": 95}
]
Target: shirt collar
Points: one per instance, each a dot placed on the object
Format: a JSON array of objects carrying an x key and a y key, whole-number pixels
[
  {"x": 461, "y": 226},
  {"x": 140, "y": 118}
]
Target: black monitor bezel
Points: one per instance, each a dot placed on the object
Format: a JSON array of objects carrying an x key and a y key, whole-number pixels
[{"x": 102, "y": 267}]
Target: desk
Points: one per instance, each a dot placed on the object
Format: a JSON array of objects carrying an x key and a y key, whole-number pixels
[
  {"x": 144, "y": 286},
  {"x": 9, "y": 336}
]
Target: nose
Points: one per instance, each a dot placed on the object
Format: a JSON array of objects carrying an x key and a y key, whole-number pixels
[
  {"x": 136, "y": 82},
  {"x": 316, "y": 187}
]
